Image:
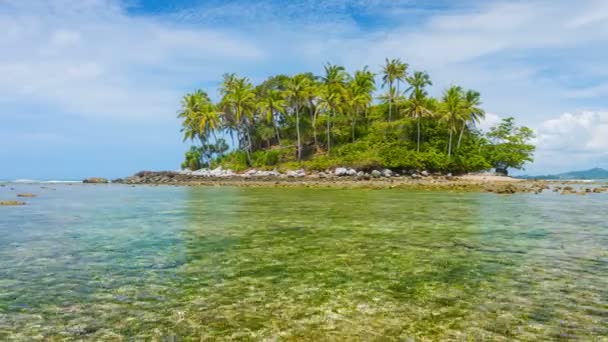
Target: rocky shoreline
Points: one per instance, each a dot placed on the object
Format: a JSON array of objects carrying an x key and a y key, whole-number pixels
[{"x": 350, "y": 178}]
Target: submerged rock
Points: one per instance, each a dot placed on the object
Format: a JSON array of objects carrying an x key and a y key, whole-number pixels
[
  {"x": 10, "y": 203},
  {"x": 26, "y": 195},
  {"x": 96, "y": 180},
  {"x": 506, "y": 189},
  {"x": 568, "y": 190}
]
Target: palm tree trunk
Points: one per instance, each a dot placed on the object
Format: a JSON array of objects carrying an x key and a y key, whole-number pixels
[
  {"x": 418, "y": 148},
  {"x": 249, "y": 145},
  {"x": 276, "y": 128},
  {"x": 216, "y": 141},
  {"x": 397, "y": 103},
  {"x": 450, "y": 144},
  {"x": 464, "y": 124},
  {"x": 353, "y": 129},
  {"x": 298, "y": 132},
  {"x": 314, "y": 129},
  {"x": 328, "y": 133},
  {"x": 390, "y": 101},
  {"x": 232, "y": 137}
]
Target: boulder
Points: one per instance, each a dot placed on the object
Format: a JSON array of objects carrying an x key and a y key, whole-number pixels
[
  {"x": 96, "y": 180},
  {"x": 7, "y": 203},
  {"x": 296, "y": 174},
  {"x": 217, "y": 172},
  {"x": 387, "y": 173},
  {"x": 341, "y": 171},
  {"x": 201, "y": 172},
  {"x": 415, "y": 176},
  {"x": 425, "y": 173},
  {"x": 376, "y": 174},
  {"x": 261, "y": 173}
]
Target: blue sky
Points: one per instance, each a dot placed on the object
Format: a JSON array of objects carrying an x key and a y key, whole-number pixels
[{"x": 91, "y": 88}]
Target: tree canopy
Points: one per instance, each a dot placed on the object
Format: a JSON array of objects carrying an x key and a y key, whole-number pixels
[{"x": 279, "y": 123}]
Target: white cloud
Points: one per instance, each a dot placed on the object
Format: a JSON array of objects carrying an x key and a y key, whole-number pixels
[
  {"x": 95, "y": 59},
  {"x": 92, "y": 59},
  {"x": 490, "y": 120},
  {"x": 572, "y": 141},
  {"x": 584, "y": 132}
]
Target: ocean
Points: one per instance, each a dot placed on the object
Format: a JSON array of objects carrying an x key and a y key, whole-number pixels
[{"x": 94, "y": 262}]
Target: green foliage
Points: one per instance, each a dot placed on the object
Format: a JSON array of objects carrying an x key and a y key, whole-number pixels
[
  {"x": 192, "y": 159},
  {"x": 320, "y": 122},
  {"x": 510, "y": 146},
  {"x": 235, "y": 160},
  {"x": 262, "y": 158}
]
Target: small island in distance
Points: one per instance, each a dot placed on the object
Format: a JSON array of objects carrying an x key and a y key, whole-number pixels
[{"x": 591, "y": 174}]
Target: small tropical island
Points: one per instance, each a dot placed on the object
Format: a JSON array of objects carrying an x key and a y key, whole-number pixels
[{"x": 341, "y": 124}]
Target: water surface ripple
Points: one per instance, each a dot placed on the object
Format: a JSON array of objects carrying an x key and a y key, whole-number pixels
[{"x": 110, "y": 261}]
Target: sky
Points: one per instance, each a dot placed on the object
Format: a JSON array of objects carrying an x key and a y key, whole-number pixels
[{"x": 91, "y": 87}]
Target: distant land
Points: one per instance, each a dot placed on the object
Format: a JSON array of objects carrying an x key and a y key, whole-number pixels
[{"x": 595, "y": 173}]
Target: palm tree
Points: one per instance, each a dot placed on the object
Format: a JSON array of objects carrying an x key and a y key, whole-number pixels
[
  {"x": 366, "y": 81},
  {"x": 393, "y": 70},
  {"x": 239, "y": 100},
  {"x": 419, "y": 80},
  {"x": 228, "y": 119},
  {"x": 273, "y": 104},
  {"x": 400, "y": 76},
  {"x": 419, "y": 106},
  {"x": 297, "y": 90},
  {"x": 472, "y": 112},
  {"x": 334, "y": 80},
  {"x": 315, "y": 106},
  {"x": 359, "y": 96},
  {"x": 200, "y": 118},
  {"x": 452, "y": 111}
]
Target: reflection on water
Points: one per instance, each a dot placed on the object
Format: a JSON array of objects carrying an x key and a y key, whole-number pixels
[{"x": 91, "y": 262}]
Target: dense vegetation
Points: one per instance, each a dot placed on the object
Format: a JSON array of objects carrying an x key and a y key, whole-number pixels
[{"x": 319, "y": 122}]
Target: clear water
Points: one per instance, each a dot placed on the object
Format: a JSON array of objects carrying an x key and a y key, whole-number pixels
[{"x": 109, "y": 261}]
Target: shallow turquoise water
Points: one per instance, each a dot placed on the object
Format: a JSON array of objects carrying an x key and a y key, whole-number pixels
[{"x": 110, "y": 261}]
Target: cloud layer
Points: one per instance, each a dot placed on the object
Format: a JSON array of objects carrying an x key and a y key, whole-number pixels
[{"x": 103, "y": 72}]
